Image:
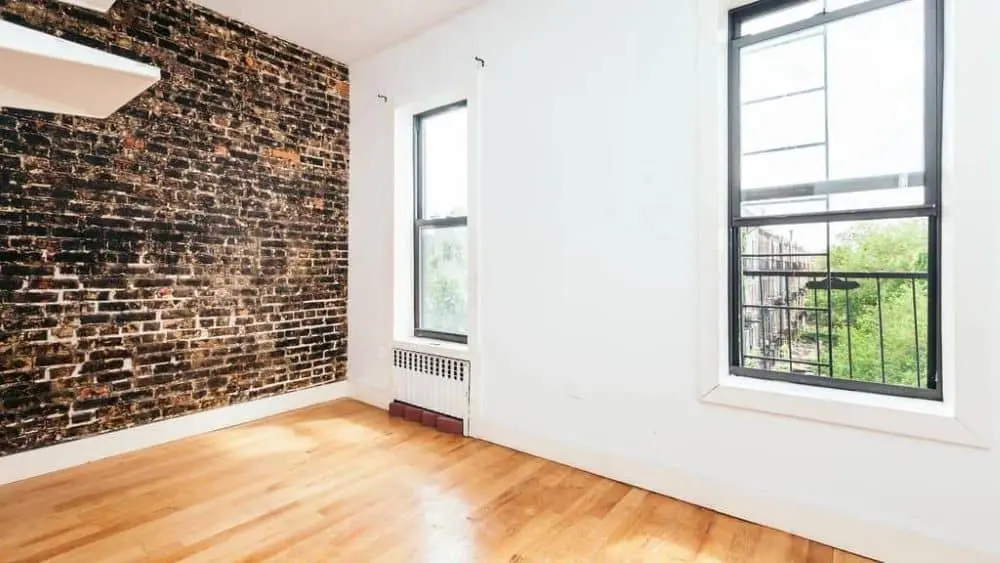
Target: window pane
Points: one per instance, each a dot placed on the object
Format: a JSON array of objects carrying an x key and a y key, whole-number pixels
[
  {"x": 876, "y": 71},
  {"x": 784, "y": 122},
  {"x": 783, "y": 168},
  {"x": 848, "y": 201},
  {"x": 832, "y": 5},
  {"x": 782, "y": 66},
  {"x": 870, "y": 95},
  {"x": 445, "y": 163},
  {"x": 781, "y": 17},
  {"x": 870, "y": 311},
  {"x": 444, "y": 279}
]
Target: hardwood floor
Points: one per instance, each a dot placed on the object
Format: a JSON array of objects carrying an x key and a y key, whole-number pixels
[{"x": 343, "y": 482}]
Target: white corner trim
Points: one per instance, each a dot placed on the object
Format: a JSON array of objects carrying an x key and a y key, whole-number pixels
[
  {"x": 872, "y": 539},
  {"x": 896, "y": 415},
  {"x": 375, "y": 396},
  {"x": 70, "y": 454}
]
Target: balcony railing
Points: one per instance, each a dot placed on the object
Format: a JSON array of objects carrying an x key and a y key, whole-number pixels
[{"x": 863, "y": 326}]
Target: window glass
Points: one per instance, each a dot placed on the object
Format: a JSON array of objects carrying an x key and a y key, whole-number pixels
[
  {"x": 784, "y": 168},
  {"x": 876, "y": 92},
  {"x": 832, "y": 5},
  {"x": 794, "y": 12},
  {"x": 445, "y": 164},
  {"x": 784, "y": 122},
  {"x": 782, "y": 66},
  {"x": 878, "y": 298},
  {"x": 847, "y": 201},
  {"x": 441, "y": 224},
  {"x": 832, "y": 264},
  {"x": 444, "y": 279}
]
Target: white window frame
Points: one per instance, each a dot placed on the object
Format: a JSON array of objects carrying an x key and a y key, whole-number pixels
[
  {"x": 404, "y": 266},
  {"x": 420, "y": 223},
  {"x": 964, "y": 415}
]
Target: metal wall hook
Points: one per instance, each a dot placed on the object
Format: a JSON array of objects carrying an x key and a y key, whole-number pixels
[
  {"x": 481, "y": 61},
  {"x": 383, "y": 98}
]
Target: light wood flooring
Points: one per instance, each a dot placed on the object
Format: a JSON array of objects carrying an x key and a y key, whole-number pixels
[{"x": 344, "y": 482}]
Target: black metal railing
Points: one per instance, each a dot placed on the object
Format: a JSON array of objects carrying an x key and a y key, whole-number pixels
[{"x": 865, "y": 326}]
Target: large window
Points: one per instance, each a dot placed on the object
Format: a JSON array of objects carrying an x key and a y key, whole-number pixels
[
  {"x": 834, "y": 183},
  {"x": 440, "y": 233}
]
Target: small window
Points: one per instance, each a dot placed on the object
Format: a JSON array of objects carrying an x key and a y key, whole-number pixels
[
  {"x": 834, "y": 183},
  {"x": 440, "y": 235}
]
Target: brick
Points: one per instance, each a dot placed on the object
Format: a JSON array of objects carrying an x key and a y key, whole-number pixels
[
  {"x": 134, "y": 144},
  {"x": 187, "y": 253},
  {"x": 397, "y": 409},
  {"x": 284, "y": 155},
  {"x": 450, "y": 425},
  {"x": 429, "y": 419},
  {"x": 413, "y": 414}
]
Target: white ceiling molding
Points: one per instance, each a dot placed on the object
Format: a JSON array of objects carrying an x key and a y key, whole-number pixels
[
  {"x": 42, "y": 72},
  {"x": 96, "y": 5}
]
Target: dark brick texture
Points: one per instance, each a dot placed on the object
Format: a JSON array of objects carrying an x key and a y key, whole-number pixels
[
  {"x": 441, "y": 422},
  {"x": 188, "y": 253}
]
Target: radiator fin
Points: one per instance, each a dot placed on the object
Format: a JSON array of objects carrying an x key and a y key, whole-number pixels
[{"x": 432, "y": 382}]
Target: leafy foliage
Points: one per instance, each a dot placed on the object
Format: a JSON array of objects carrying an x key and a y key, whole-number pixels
[{"x": 865, "y": 335}]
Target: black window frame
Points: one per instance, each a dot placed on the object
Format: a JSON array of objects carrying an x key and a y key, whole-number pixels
[
  {"x": 420, "y": 223},
  {"x": 934, "y": 30}
]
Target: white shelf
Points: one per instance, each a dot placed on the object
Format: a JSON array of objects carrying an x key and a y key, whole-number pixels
[
  {"x": 42, "y": 72},
  {"x": 96, "y": 5}
]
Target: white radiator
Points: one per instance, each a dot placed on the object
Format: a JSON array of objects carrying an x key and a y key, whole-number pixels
[{"x": 435, "y": 383}]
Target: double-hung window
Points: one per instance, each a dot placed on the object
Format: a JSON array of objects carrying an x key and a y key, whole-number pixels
[
  {"x": 440, "y": 228},
  {"x": 834, "y": 192}
]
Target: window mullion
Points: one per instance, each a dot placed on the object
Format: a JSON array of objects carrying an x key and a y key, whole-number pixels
[
  {"x": 418, "y": 276},
  {"x": 443, "y": 222},
  {"x": 933, "y": 139},
  {"x": 785, "y": 149},
  {"x": 784, "y": 96},
  {"x": 838, "y": 216}
]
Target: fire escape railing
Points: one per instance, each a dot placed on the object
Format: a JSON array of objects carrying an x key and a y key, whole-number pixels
[{"x": 790, "y": 329}]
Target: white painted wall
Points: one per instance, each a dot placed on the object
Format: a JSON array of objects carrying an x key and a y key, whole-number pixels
[{"x": 587, "y": 345}]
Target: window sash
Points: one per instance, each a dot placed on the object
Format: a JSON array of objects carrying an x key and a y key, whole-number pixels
[
  {"x": 420, "y": 224},
  {"x": 418, "y": 288},
  {"x": 420, "y": 178},
  {"x": 929, "y": 178}
]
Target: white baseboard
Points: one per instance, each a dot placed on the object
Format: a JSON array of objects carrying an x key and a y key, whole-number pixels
[
  {"x": 374, "y": 396},
  {"x": 62, "y": 456},
  {"x": 872, "y": 539}
]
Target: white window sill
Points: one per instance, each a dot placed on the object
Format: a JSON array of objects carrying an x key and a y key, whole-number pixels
[
  {"x": 918, "y": 418},
  {"x": 434, "y": 347}
]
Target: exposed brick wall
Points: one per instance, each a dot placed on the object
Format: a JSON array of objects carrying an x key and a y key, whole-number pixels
[{"x": 188, "y": 253}]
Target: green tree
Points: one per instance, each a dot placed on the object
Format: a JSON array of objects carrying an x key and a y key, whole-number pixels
[
  {"x": 863, "y": 335},
  {"x": 445, "y": 275}
]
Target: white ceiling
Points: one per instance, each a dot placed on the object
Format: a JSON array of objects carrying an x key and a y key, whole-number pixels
[{"x": 345, "y": 30}]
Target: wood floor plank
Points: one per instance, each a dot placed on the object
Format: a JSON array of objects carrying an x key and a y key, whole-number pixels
[{"x": 343, "y": 482}]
